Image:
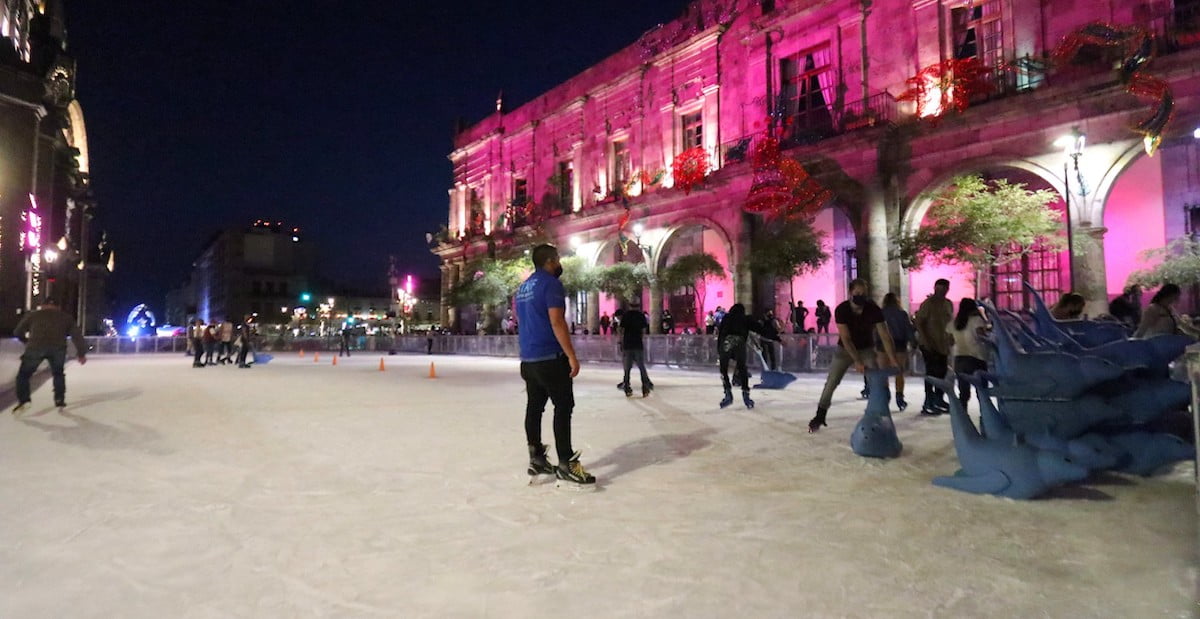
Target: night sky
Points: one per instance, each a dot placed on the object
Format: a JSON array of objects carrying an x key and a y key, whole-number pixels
[{"x": 333, "y": 116}]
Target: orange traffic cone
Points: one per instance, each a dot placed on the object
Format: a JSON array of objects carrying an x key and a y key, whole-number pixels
[
  {"x": 381, "y": 364},
  {"x": 302, "y": 352},
  {"x": 432, "y": 371},
  {"x": 316, "y": 357},
  {"x": 335, "y": 360}
]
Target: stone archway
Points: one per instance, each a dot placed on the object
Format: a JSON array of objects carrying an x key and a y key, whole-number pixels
[
  {"x": 687, "y": 236},
  {"x": 1049, "y": 271},
  {"x": 1131, "y": 215}
]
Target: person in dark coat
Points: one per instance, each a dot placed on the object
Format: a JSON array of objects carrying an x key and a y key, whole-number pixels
[{"x": 732, "y": 334}]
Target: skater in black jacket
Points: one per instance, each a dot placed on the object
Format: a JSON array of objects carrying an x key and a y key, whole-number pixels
[{"x": 732, "y": 333}]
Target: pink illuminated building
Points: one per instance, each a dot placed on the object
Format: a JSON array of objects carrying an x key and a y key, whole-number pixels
[{"x": 591, "y": 159}]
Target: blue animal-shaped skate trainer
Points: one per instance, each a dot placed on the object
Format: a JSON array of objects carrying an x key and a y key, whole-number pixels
[
  {"x": 771, "y": 379},
  {"x": 1090, "y": 450},
  {"x": 1150, "y": 451},
  {"x": 1016, "y": 471},
  {"x": 875, "y": 434},
  {"x": 1088, "y": 333}
]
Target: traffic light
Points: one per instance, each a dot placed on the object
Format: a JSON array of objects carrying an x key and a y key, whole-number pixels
[{"x": 304, "y": 296}]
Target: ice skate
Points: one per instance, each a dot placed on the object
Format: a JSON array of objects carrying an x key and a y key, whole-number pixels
[
  {"x": 628, "y": 391},
  {"x": 21, "y": 407},
  {"x": 901, "y": 404},
  {"x": 817, "y": 421},
  {"x": 728, "y": 399},
  {"x": 539, "y": 465},
  {"x": 646, "y": 389},
  {"x": 61, "y": 405},
  {"x": 746, "y": 399},
  {"x": 571, "y": 474}
]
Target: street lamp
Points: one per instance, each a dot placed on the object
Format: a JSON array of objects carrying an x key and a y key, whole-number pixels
[{"x": 1072, "y": 145}]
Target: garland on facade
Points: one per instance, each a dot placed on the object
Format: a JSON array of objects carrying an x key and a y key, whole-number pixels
[
  {"x": 622, "y": 227},
  {"x": 782, "y": 188},
  {"x": 1137, "y": 49},
  {"x": 689, "y": 168},
  {"x": 950, "y": 84}
]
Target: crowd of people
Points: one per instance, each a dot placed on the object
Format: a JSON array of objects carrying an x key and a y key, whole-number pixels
[
  {"x": 230, "y": 343},
  {"x": 869, "y": 336}
]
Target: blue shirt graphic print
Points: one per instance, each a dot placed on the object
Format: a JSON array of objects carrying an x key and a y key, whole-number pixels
[{"x": 535, "y": 297}]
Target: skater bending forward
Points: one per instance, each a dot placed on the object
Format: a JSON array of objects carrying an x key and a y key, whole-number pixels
[
  {"x": 732, "y": 334},
  {"x": 548, "y": 364},
  {"x": 859, "y": 321},
  {"x": 44, "y": 332}
]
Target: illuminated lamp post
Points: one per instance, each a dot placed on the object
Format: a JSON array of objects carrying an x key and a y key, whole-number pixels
[{"x": 1072, "y": 145}]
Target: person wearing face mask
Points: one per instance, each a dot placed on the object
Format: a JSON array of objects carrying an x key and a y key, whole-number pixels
[
  {"x": 859, "y": 321},
  {"x": 548, "y": 365}
]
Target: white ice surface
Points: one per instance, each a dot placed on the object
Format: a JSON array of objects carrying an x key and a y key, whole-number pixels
[{"x": 303, "y": 490}]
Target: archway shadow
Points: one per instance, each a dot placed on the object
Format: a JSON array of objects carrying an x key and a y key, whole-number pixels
[
  {"x": 95, "y": 435},
  {"x": 651, "y": 450}
]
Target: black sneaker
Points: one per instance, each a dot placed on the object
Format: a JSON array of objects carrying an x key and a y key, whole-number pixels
[
  {"x": 572, "y": 471},
  {"x": 538, "y": 464}
]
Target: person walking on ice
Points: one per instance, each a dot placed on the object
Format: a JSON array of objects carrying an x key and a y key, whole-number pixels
[
  {"x": 548, "y": 365},
  {"x": 44, "y": 332}
]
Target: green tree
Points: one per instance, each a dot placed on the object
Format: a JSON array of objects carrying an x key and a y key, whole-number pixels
[
  {"x": 983, "y": 224},
  {"x": 787, "y": 249},
  {"x": 691, "y": 272},
  {"x": 1178, "y": 263},
  {"x": 579, "y": 276},
  {"x": 623, "y": 280},
  {"x": 491, "y": 285}
]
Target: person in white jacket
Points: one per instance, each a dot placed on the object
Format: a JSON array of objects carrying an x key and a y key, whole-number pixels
[{"x": 971, "y": 353}]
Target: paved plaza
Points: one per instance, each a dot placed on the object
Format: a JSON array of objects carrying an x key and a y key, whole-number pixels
[{"x": 300, "y": 489}]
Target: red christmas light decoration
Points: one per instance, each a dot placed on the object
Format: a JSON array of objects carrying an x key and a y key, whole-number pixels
[
  {"x": 781, "y": 186},
  {"x": 689, "y": 168},
  {"x": 1137, "y": 47},
  {"x": 950, "y": 84}
]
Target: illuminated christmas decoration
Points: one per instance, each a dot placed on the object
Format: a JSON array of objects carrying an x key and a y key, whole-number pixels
[
  {"x": 1137, "y": 47},
  {"x": 950, "y": 84},
  {"x": 689, "y": 168},
  {"x": 782, "y": 188}
]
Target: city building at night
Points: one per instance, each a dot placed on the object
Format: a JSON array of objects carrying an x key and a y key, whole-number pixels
[
  {"x": 47, "y": 246},
  {"x": 873, "y": 100},
  {"x": 264, "y": 269}
]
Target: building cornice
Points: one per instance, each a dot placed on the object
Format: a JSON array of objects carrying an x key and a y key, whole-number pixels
[{"x": 697, "y": 43}]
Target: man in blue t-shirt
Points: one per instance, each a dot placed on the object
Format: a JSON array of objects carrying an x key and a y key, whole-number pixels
[{"x": 548, "y": 364}]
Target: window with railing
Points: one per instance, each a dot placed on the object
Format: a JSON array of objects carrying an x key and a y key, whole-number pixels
[
  {"x": 565, "y": 180},
  {"x": 692, "y": 127},
  {"x": 806, "y": 89},
  {"x": 622, "y": 165},
  {"x": 850, "y": 264},
  {"x": 976, "y": 31},
  {"x": 1039, "y": 267}
]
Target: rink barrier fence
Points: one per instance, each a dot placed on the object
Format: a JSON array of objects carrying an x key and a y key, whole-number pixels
[
  {"x": 1193, "y": 367},
  {"x": 797, "y": 353}
]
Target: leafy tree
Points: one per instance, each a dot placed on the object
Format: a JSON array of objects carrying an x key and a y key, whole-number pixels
[
  {"x": 579, "y": 276},
  {"x": 1178, "y": 263},
  {"x": 623, "y": 280},
  {"x": 492, "y": 284},
  {"x": 983, "y": 224},
  {"x": 691, "y": 272},
  {"x": 787, "y": 248}
]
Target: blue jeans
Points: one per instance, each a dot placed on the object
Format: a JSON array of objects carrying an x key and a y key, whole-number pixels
[
  {"x": 637, "y": 356},
  {"x": 30, "y": 361}
]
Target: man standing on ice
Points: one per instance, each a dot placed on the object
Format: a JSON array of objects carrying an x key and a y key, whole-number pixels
[
  {"x": 44, "y": 332},
  {"x": 548, "y": 365}
]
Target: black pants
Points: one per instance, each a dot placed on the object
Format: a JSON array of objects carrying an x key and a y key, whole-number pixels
[
  {"x": 822, "y": 327},
  {"x": 549, "y": 380},
  {"x": 344, "y": 348},
  {"x": 638, "y": 356},
  {"x": 245, "y": 349},
  {"x": 198, "y": 350},
  {"x": 209, "y": 349},
  {"x": 30, "y": 361},
  {"x": 936, "y": 365},
  {"x": 966, "y": 366},
  {"x": 734, "y": 347},
  {"x": 226, "y": 353}
]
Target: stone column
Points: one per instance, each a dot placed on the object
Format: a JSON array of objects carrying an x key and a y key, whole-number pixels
[
  {"x": 444, "y": 308},
  {"x": 455, "y": 276},
  {"x": 874, "y": 222},
  {"x": 743, "y": 282},
  {"x": 593, "y": 315},
  {"x": 1090, "y": 278},
  {"x": 656, "y": 301}
]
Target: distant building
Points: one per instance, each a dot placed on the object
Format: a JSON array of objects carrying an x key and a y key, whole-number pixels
[
  {"x": 264, "y": 269},
  {"x": 45, "y": 195}
]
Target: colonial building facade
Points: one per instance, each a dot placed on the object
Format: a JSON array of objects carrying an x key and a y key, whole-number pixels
[
  {"x": 46, "y": 203},
  {"x": 589, "y": 164}
]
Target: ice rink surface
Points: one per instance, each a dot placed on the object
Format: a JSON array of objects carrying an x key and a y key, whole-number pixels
[{"x": 297, "y": 489}]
